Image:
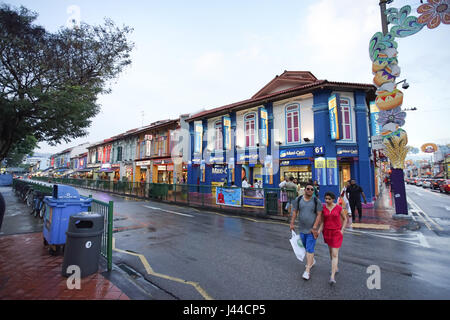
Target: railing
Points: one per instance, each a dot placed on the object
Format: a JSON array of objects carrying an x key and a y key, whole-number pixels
[
  {"x": 191, "y": 195},
  {"x": 103, "y": 208}
]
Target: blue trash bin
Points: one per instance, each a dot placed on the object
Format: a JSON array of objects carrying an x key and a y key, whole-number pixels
[{"x": 64, "y": 203}]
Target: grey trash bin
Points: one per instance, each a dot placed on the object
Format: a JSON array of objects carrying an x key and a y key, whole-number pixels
[{"x": 83, "y": 243}]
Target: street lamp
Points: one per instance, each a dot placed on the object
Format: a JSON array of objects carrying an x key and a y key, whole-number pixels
[{"x": 405, "y": 84}]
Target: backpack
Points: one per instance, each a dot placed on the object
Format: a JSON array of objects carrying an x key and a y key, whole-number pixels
[{"x": 300, "y": 198}]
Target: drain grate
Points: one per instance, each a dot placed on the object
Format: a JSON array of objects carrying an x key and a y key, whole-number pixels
[{"x": 130, "y": 271}]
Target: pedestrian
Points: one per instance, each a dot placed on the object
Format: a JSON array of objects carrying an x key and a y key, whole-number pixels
[
  {"x": 283, "y": 195},
  {"x": 309, "y": 210},
  {"x": 2, "y": 209},
  {"x": 245, "y": 183},
  {"x": 333, "y": 224},
  {"x": 316, "y": 189},
  {"x": 291, "y": 192},
  {"x": 354, "y": 193},
  {"x": 343, "y": 200}
]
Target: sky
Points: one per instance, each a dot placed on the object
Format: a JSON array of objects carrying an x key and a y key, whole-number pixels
[{"x": 194, "y": 55}]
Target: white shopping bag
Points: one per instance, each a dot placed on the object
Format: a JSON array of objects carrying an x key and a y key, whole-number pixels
[{"x": 297, "y": 245}]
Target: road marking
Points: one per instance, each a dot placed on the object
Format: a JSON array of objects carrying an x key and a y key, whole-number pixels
[
  {"x": 178, "y": 213},
  {"x": 150, "y": 271},
  {"x": 447, "y": 208},
  {"x": 425, "y": 216},
  {"x": 417, "y": 238}
]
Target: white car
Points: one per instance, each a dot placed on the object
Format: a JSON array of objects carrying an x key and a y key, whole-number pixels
[
  {"x": 426, "y": 184},
  {"x": 419, "y": 182}
]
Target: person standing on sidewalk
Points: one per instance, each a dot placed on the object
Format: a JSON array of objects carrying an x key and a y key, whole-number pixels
[
  {"x": 291, "y": 192},
  {"x": 354, "y": 193},
  {"x": 333, "y": 225},
  {"x": 309, "y": 209},
  {"x": 345, "y": 202}
]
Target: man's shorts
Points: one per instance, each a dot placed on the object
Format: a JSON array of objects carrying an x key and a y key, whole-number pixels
[{"x": 308, "y": 242}]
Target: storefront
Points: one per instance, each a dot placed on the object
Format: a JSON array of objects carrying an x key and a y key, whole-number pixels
[
  {"x": 250, "y": 167},
  {"x": 296, "y": 162},
  {"x": 163, "y": 170},
  {"x": 142, "y": 170},
  {"x": 116, "y": 173},
  {"x": 346, "y": 157}
]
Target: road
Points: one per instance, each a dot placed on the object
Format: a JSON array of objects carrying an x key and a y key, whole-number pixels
[{"x": 176, "y": 252}]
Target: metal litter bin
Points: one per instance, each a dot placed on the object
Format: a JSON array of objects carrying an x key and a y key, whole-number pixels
[{"x": 83, "y": 245}]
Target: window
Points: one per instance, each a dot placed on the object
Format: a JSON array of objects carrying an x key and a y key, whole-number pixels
[
  {"x": 119, "y": 153},
  {"x": 346, "y": 119},
  {"x": 142, "y": 149},
  {"x": 293, "y": 123},
  {"x": 218, "y": 142},
  {"x": 250, "y": 129}
]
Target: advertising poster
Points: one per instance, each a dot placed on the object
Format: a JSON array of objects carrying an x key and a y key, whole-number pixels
[
  {"x": 320, "y": 167},
  {"x": 335, "y": 114},
  {"x": 253, "y": 197},
  {"x": 226, "y": 127},
  {"x": 228, "y": 196},
  {"x": 263, "y": 126},
  {"x": 198, "y": 136},
  {"x": 332, "y": 172},
  {"x": 374, "y": 114}
]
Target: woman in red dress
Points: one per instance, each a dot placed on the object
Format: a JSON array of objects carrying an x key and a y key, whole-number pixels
[{"x": 333, "y": 223}]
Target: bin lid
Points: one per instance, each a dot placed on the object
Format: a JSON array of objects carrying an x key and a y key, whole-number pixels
[
  {"x": 86, "y": 222},
  {"x": 61, "y": 191}
]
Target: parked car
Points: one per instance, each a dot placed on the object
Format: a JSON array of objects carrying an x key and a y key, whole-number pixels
[
  {"x": 419, "y": 182},
  {"x": 426, "y": 183},
  {"x": 445, "y": 186},
  {"x": 435, "y": 183}
]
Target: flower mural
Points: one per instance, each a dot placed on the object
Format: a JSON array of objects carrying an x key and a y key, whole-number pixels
[
  {"x": 434, "y": 12},
  {"x": 396, "y": 116}
]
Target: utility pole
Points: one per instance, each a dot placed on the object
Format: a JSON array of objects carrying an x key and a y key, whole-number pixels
[{"x": 384, "y": 24}]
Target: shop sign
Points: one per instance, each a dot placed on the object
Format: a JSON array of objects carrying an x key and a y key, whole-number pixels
[
  {"x": 106, "y": 166},
  {"x": 161, "y": 168},
  {"x": 332, "y": 172},
  {"x": 213, "y": 159},
  {"x": 347, "y": 151},
  {"x": 298, "y": 162},
  {"x": 296, "y": 153},
  {"x": 377, "y": 142},
  {"x": 263, "y": 127},
  {"x": 196, "y": 160},
  {"x": 226, "y": 132},
  {"x": 320, "y": 168},
  {"x": 143, "y": 163},
  {"x": 228, "y": 196},
  {"x": 198, "y": 136},
  {"x": 334, "y": 110},
  {"x": 248, "y": 158},
  {"x": 219, "y": 173}
]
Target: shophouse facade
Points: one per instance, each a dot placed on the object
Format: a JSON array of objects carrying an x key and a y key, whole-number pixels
[{"x": 284, "y": 130}]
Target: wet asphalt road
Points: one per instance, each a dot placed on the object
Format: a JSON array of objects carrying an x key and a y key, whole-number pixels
[{"x": 184, "y": 253}]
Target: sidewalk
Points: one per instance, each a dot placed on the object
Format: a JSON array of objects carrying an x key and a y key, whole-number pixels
[
  {"x": 381, "y": 215},
  {"x": 29, "y": 272}
]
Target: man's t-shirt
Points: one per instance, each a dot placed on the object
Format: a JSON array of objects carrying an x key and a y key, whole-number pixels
[
  {"x": 354, "y": 193},
  {"x": 307, "y": 213}
]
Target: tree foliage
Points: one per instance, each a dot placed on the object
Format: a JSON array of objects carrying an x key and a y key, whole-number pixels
[{"x": 49, "y": 82}]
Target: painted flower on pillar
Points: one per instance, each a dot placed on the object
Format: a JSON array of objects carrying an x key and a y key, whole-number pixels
[
  {"x": 395, "y": 115},
  {"x": 434, "y": 12}
]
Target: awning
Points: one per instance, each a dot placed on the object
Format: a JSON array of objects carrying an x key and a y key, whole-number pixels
[
  {"x": 107, "y": 170},
  {"x": 84, "y": 170},
  {"x": 61, "y": 170}
]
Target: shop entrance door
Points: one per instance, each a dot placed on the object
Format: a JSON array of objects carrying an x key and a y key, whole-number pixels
[{"x": 344, "y": 174}]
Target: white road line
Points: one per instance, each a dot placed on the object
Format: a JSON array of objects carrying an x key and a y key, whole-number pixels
[
  {"x": 422, "y": 212},
  {"x": 180, "y": 214},
  {"x": 447, "y": 208},
  {"x": 417, "y": 238}
]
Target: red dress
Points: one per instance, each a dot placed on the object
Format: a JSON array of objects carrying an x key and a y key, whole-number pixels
[{"x": 332, "y": 226}]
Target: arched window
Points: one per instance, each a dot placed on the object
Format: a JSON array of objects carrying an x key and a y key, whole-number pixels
[
  {"x": 346, "y": 119},
  {"x": 250, "y": 129},
  {"x": 218, "y": 140},
  {"x": 293, "y": 123}
]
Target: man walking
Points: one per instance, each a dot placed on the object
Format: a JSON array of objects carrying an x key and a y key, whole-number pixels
[
  {"x": 309, "y": 209},
  {"x": 291, "y": 192},
  {"x": 354, "y": 193}
]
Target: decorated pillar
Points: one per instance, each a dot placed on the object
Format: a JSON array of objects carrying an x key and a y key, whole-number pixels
[{"x": 383, "y": 53}]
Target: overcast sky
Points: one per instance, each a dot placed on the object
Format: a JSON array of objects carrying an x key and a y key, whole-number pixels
[{"x": 192, "y": 55}]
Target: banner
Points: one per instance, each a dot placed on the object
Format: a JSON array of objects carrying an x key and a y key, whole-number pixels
[
  {"x": 198, "y": 136},
  {"x": 226, "y": 132},
  {"x": 320, "y": 168},
  {"x": 228, "y": 196},
  {"x": 334, "y": 110},
  {"x": 263, "y": 127},
  {"x": 253, "y": 197},
  {"x": 374, "y": 114},
  {"x": 332, "y": 172}
]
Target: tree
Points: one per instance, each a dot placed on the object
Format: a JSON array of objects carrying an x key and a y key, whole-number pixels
[
  {"x": 19, "y": 150},
  {"x": 49, "y": 82}
]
